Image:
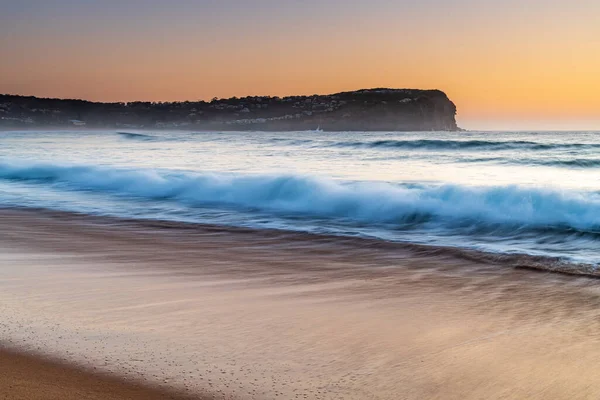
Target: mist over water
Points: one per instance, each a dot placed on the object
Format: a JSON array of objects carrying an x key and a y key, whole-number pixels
[{"x": 531, "y": 192}]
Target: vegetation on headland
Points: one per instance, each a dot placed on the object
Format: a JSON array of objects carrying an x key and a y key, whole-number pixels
[{"x": 362, "y": 110}]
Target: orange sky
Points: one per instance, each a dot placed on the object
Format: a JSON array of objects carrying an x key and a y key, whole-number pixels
[{"x": 505, "y": 64}]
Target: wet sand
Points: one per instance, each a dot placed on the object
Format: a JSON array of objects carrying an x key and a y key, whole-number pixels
[
  {"x": 27, "y": 377},
  {"x": 248, "y": 314}
]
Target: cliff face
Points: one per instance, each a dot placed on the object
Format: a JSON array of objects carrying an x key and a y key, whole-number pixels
[
  {"x": 392, "y": 110},
  {"x": 362, "y": 110}
]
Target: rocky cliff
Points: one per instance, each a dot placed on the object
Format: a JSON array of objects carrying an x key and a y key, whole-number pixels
[{"x": 362, "y": 110}]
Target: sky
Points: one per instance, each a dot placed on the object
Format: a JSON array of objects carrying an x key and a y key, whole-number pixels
[{"x": 507, "y": 64}]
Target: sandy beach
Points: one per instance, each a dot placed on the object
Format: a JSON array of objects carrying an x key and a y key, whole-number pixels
[
  {"x": 27, "y": 377},
  {"x": 244, "y": 314}
]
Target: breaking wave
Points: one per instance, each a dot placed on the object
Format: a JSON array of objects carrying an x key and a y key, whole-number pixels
[
  {"x": 551, "y": 162},
  {"x": 137, "y": 136},
  {"x": 475, "y": 208},
  {"x": 438, "y": 144},
  {"x": 577, "y": 163}
]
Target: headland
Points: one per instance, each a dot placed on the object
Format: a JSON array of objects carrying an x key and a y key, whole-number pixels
[{"x": 362, "y": 110}]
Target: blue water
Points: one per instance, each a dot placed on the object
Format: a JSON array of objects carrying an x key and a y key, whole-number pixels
[{"x": 529, "y": 192}]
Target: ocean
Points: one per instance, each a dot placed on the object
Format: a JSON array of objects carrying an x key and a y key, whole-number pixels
[{"x": 535, "y": 193}]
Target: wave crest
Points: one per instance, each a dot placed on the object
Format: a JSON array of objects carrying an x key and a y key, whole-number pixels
[
  {"x": 137, "y": 136},
  {"x": 486, "y": 208},
  {"x": 439, "y": 144}
]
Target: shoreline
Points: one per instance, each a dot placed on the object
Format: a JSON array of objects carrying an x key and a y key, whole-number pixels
[
  {"x": 534, "y": 263},
  {"x": 246, "y": 314}
]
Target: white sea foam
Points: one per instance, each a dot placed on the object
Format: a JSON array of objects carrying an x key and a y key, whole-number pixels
[{"x": 365, "y": 202}]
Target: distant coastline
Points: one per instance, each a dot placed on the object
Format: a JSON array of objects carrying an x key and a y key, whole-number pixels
[{"x": 362, "y": 110}]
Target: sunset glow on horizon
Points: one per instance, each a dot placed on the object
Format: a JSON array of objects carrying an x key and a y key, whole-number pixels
[{"x": 509, "y": 64}]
